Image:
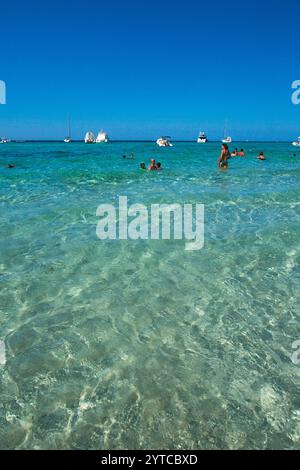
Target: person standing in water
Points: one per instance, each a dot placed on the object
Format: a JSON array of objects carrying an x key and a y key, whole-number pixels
[
  {"x": 224, "y": 157},
  {"x": 152, "y": 165}
]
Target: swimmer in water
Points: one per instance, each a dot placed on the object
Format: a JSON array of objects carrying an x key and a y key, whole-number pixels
[
  {"x": 261, "y": 156},
  {"x": 10, "y": 166},
  {"x": 241, "y": 153},
  {"x": 143, "y": 166},
  {"x": 223, "y": 159},
  {"x": 158, "y": 166},
  {"x": 152, "y": 165}
]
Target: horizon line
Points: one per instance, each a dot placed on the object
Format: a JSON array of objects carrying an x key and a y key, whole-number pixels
[{"x": 21, "y": 141}]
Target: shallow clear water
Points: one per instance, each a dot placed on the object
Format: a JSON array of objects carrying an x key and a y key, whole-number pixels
[{"x": 141, "y": 344}]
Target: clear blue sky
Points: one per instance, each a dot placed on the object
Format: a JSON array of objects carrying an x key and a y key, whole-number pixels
[{"x": 140, "y": 69}]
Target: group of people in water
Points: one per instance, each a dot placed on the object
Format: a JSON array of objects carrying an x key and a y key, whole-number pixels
[
  {"x": 152, "y": 167},
  {"x": 238, "y": 153},
  {"x": 222, "y": 161},
  {"x": 226, "y": 155}
]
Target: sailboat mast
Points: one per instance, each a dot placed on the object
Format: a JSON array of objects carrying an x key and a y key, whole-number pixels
[{"x": 225, "y": 129}]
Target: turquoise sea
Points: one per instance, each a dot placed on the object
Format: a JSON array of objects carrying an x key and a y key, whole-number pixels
[{"x": 141, "y": 344}]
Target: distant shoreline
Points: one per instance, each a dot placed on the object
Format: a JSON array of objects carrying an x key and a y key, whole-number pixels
[{"x": 152, "y": 141}]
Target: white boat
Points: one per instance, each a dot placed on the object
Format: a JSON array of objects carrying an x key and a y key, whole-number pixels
[
  {"x": 68, "y": 139},
  {"x": 102, "y": 137},
  {"x": 202, "y": 138},
  {"x": 89, "y": 138},
  {"x": 227, "y": 140},
  {"x": 296, "y": 143},
  {"x": 164, "y": 142},
  {"x": 4, "y": 141}
]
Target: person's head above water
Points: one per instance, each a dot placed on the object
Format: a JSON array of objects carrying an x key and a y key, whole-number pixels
[
  {"x": 225, "y": 147},
  {"x": 158, "y": 164},
  {"x": 143, "y": 166},
  {"x": 152, "y": 165},
  {"x": 261, "y": 156}
]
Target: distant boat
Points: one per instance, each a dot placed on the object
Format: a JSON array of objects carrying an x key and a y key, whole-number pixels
[
  {"x": 4, "y": 141},
  {"x": 296, "y": 143},
  {"x": 202, "y": 138},
  {"x": 164, "y": 142},
  {"x": 89, "y": 138},
  {"x": 102, "y": 137},
  {"x": 68, "y": 139}
]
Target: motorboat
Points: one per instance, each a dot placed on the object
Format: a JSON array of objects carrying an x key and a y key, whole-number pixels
[
  {"x": 202, "y": 138},
  {"x": 102, "y": 138},
  {"x": 89, "y": 138},
  {"x": 164, "y": 142}
]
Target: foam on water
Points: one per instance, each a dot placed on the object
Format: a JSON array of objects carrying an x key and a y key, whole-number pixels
[{"x": 129, "y": 344}]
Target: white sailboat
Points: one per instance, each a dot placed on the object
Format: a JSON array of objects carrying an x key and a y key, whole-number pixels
[
  {"x": 89, "y": 138},
  {"x": 68, "y": 139},
  {"x": 102, "y": 137},
  {"x": 296, "y": 143},
  {"x": 164, "y": 142},
  {"x": 226, "y": 139},
  {"x": 202, "y": 138},
  {"x": 4, "y": 140}
]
